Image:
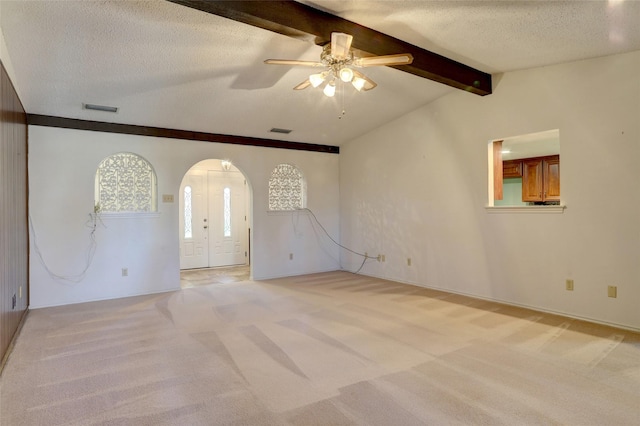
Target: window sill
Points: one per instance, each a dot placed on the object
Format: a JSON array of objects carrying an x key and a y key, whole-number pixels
[
  {"x": 526, "y": 209},
  {"x": 129, "y": 215},
  {"x": 285, "y": 212}
]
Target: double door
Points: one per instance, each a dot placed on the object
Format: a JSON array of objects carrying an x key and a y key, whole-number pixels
[
  {"x": 213, "y": 221},
  {"x": 541, "y": 179}
]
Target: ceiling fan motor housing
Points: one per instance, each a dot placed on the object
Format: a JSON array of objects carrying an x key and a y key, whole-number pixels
[{"x": 339, "y": 66}]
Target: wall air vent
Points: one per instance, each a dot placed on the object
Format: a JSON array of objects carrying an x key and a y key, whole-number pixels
[
  {"x": 103, "y": 108},
  {"x": 277, "y": 130}
]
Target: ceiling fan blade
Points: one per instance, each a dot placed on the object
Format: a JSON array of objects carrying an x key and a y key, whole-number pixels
[
  {"x": 303, "y": 85},
  {"x": 294, "y": 62},
  {"x": 366, "y": 83},
  {"x": 340, "y": 45},
  {"x": 374, "y": 61}
]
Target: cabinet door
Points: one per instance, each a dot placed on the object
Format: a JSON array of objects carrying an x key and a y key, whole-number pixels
[
  {"x": 532, "y": 179},
  {"x": 551, "y": 173},
  {"x": 512, "y": 169}
]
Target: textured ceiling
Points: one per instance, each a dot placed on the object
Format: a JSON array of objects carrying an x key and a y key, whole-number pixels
[{"x": 166, "y": 65}]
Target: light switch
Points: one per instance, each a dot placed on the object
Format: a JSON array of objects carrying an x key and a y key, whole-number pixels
[{"x": 167, "y": 198}]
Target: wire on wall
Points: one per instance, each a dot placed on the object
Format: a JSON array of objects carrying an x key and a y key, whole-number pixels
[
  {"x": 92, "y": 223},
  {"x": 364, "y": 256}
]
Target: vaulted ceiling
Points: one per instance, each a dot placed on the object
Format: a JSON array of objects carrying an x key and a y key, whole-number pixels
[{"x": 166, "y": 64}]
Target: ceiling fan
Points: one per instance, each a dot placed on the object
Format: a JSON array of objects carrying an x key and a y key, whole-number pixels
[{"x": 339, "y": 61}]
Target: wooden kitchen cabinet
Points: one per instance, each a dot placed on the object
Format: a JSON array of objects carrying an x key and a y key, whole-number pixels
[
  {"x": 551, "y": 178},
  {"x": 541, "y": 179},
  {"x": 512, "y": 169}
]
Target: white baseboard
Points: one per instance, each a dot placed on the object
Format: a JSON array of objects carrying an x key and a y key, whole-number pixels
[{"x": 510, "y": 303}]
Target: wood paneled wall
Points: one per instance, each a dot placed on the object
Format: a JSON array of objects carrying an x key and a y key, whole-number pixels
[{"x": 14, "y": 240}]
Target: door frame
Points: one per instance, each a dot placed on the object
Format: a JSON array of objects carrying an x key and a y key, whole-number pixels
[{"x": 217, "y": 164}]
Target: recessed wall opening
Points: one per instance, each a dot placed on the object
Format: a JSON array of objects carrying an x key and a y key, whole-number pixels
[
  {"x": 524, "y": 171},
  {"x": 214, "y": 224}
]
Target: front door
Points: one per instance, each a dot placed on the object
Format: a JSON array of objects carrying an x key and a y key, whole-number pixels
[
  {"x": 194, "y": 232},
  {"x": 213, "y": 221},
  {"x": 227, "y": 211}
]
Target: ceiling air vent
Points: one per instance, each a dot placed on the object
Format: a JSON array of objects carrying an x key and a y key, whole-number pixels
[
  {"x": 100, "y": 107},
  {"x": 277, "y": 130}
]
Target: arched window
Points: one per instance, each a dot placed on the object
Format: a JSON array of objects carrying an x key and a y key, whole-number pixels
[
  {"x": 287, "y": 188},
  {"x": 125, "y": 182}
]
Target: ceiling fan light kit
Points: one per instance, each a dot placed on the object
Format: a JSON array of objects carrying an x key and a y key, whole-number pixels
[
  {"x": 346, "y": 74},
  {"x": 330, "y": 89},
  {"x": 339, "y": 60},
  {"x": 358, "y": 83},
  {"x": 317, "y": 79}
]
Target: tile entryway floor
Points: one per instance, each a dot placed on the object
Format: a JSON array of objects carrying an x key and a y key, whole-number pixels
[{"x": 205, "y": 276}]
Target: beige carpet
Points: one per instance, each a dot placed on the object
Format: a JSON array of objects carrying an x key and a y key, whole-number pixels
[{"x": 325, "y": 349}]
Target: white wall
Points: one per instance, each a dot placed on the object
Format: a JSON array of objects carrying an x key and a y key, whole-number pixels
[
  {"x": 62, "y": 166},
  {"x": 6, "y": 60},
  {"x": 417, "y": 187}
]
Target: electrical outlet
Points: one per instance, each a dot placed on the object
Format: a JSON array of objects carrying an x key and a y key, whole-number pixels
[
  {"x": 408, "y": 261},
  {"x": 125, "y": 272},
  {"x": 290, "y": 256},
  {"x": 612, "y": 291},
  {"x": 569, "y": 284}
]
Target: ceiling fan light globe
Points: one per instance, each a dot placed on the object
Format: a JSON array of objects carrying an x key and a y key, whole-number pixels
[
  {"x": 316, "y": 79},
  {"x": 346, "y": 74},
  {"x": 330, "y": 89},
  {"x": 358, "y": 83}
]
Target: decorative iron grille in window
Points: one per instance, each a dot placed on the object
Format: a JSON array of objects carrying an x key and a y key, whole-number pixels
[
  {"x": 125, "y": 182},
  {"x": 287, "y": 190}
]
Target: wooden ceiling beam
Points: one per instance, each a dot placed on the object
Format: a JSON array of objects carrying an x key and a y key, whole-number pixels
[
  {"x": 301, "y": 21},
  {"x": 161, "y": 132}
]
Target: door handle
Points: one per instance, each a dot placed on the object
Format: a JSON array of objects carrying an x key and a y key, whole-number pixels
[{"x": 205, "y": 227}]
